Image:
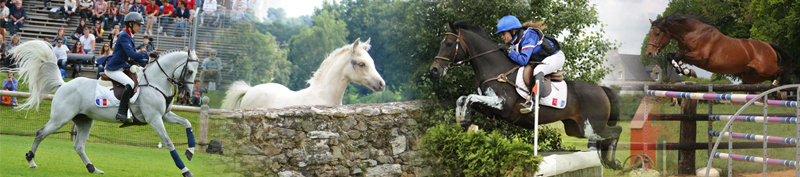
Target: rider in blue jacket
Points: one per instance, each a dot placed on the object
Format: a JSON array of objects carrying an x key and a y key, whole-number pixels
[
  {"x": 125, "y": 54},
  {"x": 529, "y": 44}
]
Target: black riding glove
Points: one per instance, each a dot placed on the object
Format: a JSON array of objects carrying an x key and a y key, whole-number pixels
[
  {"x": 154, "y": 55},
  {"x": 503, "y": 48}
]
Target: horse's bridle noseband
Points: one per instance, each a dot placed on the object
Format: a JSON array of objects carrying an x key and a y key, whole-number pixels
[
  {"x": 658, "y": 48},
  {"x": 460, "y": 42},
  {"x": 180, "y": 84}
]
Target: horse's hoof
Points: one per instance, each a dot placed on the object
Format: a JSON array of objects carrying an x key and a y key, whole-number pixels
[
  {"x": 188, "y": 174},
  {"x": 32, "y": 164},
  {"x": 189, "y": 154},
  {"x": 615, "y": 164}
]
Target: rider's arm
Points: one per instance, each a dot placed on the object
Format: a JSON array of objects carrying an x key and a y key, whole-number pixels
[
  {"x": 138, "y": 57},
  {"x": 529, "y": 47}
]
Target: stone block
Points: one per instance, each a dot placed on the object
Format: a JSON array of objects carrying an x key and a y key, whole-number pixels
[
  {"x": 399, "y": 145},
  {"x": 384, "y": 170},
  {"x": 391, "y": 110},
  {"x": 368, "y": 111}
]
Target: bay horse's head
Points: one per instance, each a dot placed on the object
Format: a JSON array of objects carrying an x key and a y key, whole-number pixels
[
  {"x": 659, "y": 37},
  {"x": 448, "y": 52}
]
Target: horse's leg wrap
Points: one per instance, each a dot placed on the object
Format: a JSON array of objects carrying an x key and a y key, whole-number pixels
[
  {"x": 90, "y": 167},
  {"x": 29, "y": 156},
  {"x": 177, "y": 159},
  {"x": 190, "y": 151}
]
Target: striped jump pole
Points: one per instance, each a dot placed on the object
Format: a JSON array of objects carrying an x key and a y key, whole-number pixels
[
  {"x": 757, "y": 119},
  {"x": 725, "y": 98},
  {"x": 746, "y": 136},
  {"x": 746, "y": 158}
]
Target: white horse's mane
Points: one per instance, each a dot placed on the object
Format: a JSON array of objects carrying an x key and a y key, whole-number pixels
[
  {"x": 175, "y": 50},
  {"x": 332, "y": 58}
]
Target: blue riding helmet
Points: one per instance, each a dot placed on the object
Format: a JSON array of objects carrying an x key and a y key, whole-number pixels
[{"x": 508, "y": 22}]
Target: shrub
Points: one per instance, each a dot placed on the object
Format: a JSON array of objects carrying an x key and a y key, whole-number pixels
[{"x": 453, "y": 153}]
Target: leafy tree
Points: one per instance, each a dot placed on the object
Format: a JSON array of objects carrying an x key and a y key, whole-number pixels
[
  {"x": 312, "y": 45},
  {"x": 777, "y": 22},
  {"x": 276, "y": 14},
  {"x": 256, "y": 58}
]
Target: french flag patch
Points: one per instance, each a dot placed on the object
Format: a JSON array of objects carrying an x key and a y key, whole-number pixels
[{"x": 101, "y": 102}]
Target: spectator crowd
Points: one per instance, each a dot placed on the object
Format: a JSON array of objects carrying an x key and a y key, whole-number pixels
[{"x": 98, "y": 16}]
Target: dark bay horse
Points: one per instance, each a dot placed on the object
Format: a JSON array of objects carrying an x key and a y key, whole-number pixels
[
  {"x": 591, "y": 111},
  {"x": 706, "y": 47}
]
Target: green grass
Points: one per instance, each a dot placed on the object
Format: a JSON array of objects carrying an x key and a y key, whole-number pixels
[{"x": 57, "y": 158}]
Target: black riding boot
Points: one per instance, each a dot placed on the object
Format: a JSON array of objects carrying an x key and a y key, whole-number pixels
[
  {"x": 540, "y": 92},
  {"x": 122, "y": 115},
  {"x": 540, "y": 80}
]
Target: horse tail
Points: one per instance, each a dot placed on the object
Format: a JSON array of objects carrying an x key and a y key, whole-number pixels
[
  {"x": 38, "y": 69},
  {"x": 235, "y": 92},
  {"x": 613, "y": 117},
  {"x": 786, "y": 63}
]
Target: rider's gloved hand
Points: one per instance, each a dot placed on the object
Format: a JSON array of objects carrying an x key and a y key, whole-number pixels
[{"x": 153, "y": 55}]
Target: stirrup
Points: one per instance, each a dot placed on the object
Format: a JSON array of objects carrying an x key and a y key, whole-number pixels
[
  {"x": 127, "y": 118},
  {"x": 527, "y": 106}
]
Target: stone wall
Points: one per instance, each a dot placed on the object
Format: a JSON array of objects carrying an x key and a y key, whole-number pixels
[{"x": 351, "y": 140}]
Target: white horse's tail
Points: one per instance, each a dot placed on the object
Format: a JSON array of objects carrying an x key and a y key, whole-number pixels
[
  {"x": 235, "y": 92},
  {"x": 38, "y": 69}
]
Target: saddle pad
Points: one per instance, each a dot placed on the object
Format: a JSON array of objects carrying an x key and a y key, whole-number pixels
[
  {"x": 104, "y": 96},
  {"x": 557, "y": 97}
]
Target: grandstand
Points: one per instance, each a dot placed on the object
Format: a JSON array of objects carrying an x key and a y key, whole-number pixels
[{"x": 38, "y": 25}]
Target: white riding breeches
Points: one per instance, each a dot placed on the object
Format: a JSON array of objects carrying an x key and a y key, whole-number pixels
[
  {"x": 550, "y": 64},
  {"x": 119, "y": 76}
]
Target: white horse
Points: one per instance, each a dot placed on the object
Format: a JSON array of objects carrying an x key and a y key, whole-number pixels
[
  {"x": 350, "y": 63},
  {"x": 75, "y": 100}
]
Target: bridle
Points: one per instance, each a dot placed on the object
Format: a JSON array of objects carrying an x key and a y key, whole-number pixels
[
  {"x": 500, "y": 78},
  {"x": 460, "y": 42},
  {"x": 180, "y": 84},
  {"x": 658, "y": 41}
]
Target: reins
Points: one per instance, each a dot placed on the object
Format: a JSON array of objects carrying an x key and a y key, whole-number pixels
[
  {"x": 501, "y": 78},
  {"x": 466, "y": 51},
  {"x": 174, "y": 83}
]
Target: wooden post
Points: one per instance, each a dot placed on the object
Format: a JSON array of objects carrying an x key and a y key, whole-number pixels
[
  {"x": 203, "y": 129},
  {"x": 686, "y": 158}
]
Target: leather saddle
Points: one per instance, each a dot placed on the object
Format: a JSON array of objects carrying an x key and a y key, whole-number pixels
[
  {"x": 118, "y": 88},
  {"x": 527, "y": 76}
]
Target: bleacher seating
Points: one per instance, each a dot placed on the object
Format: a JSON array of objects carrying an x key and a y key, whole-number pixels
[{"x": 39, "y": 26}]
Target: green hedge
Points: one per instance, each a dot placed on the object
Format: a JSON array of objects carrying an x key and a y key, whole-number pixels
[{"x": 455, "y": 153}]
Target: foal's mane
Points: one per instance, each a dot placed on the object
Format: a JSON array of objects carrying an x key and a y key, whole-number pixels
[{"x": 332, "y": 58}]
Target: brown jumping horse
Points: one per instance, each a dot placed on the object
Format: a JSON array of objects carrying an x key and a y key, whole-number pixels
[
  {"x": 704, "y": 46},
  {"x": 591, "y": 111}
]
